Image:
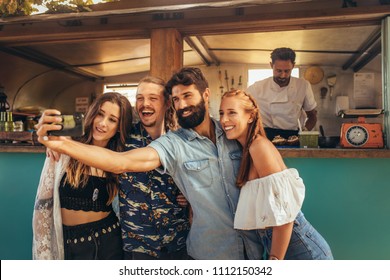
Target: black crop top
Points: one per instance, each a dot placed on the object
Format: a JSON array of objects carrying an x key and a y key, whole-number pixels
[{"x": 92, "y": 197}]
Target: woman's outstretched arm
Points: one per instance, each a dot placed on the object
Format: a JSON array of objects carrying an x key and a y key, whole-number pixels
[{"x": 137, "y": 160}]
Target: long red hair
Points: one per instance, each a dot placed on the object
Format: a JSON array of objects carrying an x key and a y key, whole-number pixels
[{"x": 255, "y": 128}]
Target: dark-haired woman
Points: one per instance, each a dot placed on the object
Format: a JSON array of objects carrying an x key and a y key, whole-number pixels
[{"x": 73, "y": 213}]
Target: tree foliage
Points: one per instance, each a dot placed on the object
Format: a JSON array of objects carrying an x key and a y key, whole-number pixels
[{"x": 25, "y": 7}]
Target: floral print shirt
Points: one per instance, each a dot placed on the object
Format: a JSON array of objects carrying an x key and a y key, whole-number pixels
[{"x": 152, "y": 222}]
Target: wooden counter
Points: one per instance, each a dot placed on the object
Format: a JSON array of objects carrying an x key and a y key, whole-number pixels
[
  {"x": 286, "y": 152},
  {"x": 11, "y": 148},
  {"x": 334, "y": 153}
]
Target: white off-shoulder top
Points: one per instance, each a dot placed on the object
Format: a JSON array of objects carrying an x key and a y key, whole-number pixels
[{"x": 270, "y": 201}]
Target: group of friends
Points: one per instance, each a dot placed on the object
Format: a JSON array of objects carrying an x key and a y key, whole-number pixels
[{"x": 188, "y": 186}]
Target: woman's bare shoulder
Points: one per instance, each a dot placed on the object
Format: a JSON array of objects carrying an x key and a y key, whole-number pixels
[
  {"x": 261, "y": 144},
  {"x": 266, "y": 158}
]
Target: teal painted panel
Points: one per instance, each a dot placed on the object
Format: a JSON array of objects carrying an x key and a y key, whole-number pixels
[
  {"x": 348, "y": 201},
  {"x": 19, "y": 177}
]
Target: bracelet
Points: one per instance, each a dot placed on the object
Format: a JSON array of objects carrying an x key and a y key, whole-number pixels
[{"x": 273, "y": 258}]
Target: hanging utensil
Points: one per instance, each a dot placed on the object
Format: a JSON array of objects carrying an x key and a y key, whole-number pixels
[
  {"x": 323, "y": 92},
  {"x": 239, "y": 81},
  {"x": 331, "y": 83},
  {"x": 220, "y": 81},
  {"x": 227, "y": 80},
  {"x": 322, "y": 131},
  {"x": 232, "y": 82}
]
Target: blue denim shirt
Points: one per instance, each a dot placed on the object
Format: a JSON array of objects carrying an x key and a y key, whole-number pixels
[{"x": 206, "y": 175}]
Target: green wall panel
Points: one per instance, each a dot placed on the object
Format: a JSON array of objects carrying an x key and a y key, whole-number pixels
[
  {"x": 347, "y": 200},
  {"x": 19, "y": 176}
]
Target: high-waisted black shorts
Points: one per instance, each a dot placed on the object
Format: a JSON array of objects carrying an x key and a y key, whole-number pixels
[{"x": 100, "y": 240}]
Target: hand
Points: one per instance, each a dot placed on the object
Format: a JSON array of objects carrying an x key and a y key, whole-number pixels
[
  {"x": 181, "y": 200},
  {"x": 45, "y": 124},
  {"x": 47, "y": 118},
  {"x": 53, "y": 154}
]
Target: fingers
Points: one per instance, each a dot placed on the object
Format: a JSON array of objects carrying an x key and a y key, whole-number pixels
[
  {"x": 46, "y": 121},
  {"x": 45, "y": 124},
  {"x": 50, "y": 112},
  {"x": 48, "y": 117},
  {"x": 43, "y": 138},
  {"x": 56, "y": 155},
  {"x": 181, "y": 200},
  {"x": 53, "y": 154},
  {"x": 44, "y": 128}
]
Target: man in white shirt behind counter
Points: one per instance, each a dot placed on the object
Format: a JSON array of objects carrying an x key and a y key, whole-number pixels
[{"x": 282, "y": 98}]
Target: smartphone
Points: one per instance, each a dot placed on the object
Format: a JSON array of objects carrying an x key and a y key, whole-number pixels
[{"x": 72, "y": 125}]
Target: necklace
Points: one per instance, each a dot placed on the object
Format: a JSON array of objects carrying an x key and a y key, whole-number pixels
[
  {"x": 95, "y": 194},
  {"x": 94, "y": 176}
]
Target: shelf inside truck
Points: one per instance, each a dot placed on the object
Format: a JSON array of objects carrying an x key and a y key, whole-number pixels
[
  {"x": 355, "y": 113},
  {"x": 19, "y": 137}
]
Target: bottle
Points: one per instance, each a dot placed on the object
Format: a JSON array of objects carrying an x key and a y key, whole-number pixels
[
  {"x": 30, "y": 123},
  {"x": 9, "y": 124},
  {"x": 2, "y": 121}
]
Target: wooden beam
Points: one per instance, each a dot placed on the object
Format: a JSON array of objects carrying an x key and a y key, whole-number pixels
[
  {"x": 284, "y": 20},
  {"x": 372, "y": 53},
  {"x": 193, "y": 22},
  {"x": 40, "y": 58},
  {"x": 195, "y": 48},
  {"x": 141, "y": 5},
  {"x": 166, "y": 52},
  {"x": 375, "y": 36},
  {"x": 203, "y": 42}
]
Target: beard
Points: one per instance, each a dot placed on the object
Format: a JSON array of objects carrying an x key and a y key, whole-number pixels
[
  {"x": 195, "y": 119},
  {"x": 282, "y": 82}
]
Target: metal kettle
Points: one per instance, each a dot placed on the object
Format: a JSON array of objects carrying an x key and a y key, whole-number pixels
[{"x": 4, "y": 105}]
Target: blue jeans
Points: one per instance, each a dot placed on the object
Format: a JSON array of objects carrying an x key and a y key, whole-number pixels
[{"x": 305, "y": 244}]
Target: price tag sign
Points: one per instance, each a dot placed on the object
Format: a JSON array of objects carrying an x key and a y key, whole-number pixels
[{"x": 82, "y": 104}]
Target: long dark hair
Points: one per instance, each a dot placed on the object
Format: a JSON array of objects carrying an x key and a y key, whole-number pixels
[
  {"x": 255, "y": 128},
  {"x": 77, "y": 172}
]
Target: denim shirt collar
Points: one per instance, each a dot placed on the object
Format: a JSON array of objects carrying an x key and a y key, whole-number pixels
[{"x": 191, "y": 134}]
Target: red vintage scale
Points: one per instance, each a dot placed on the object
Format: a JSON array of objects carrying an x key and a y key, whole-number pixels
[{"x": 361, "y": 134}]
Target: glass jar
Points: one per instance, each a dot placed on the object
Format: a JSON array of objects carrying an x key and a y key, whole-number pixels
[
  {"x": 18, "y": 126},
  {"x": 30, "y": 123}
]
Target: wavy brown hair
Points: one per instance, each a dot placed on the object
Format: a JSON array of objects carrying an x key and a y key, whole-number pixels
[
  {"x": 77, "y": 172},
  {"x": 255, "y": 128}
]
